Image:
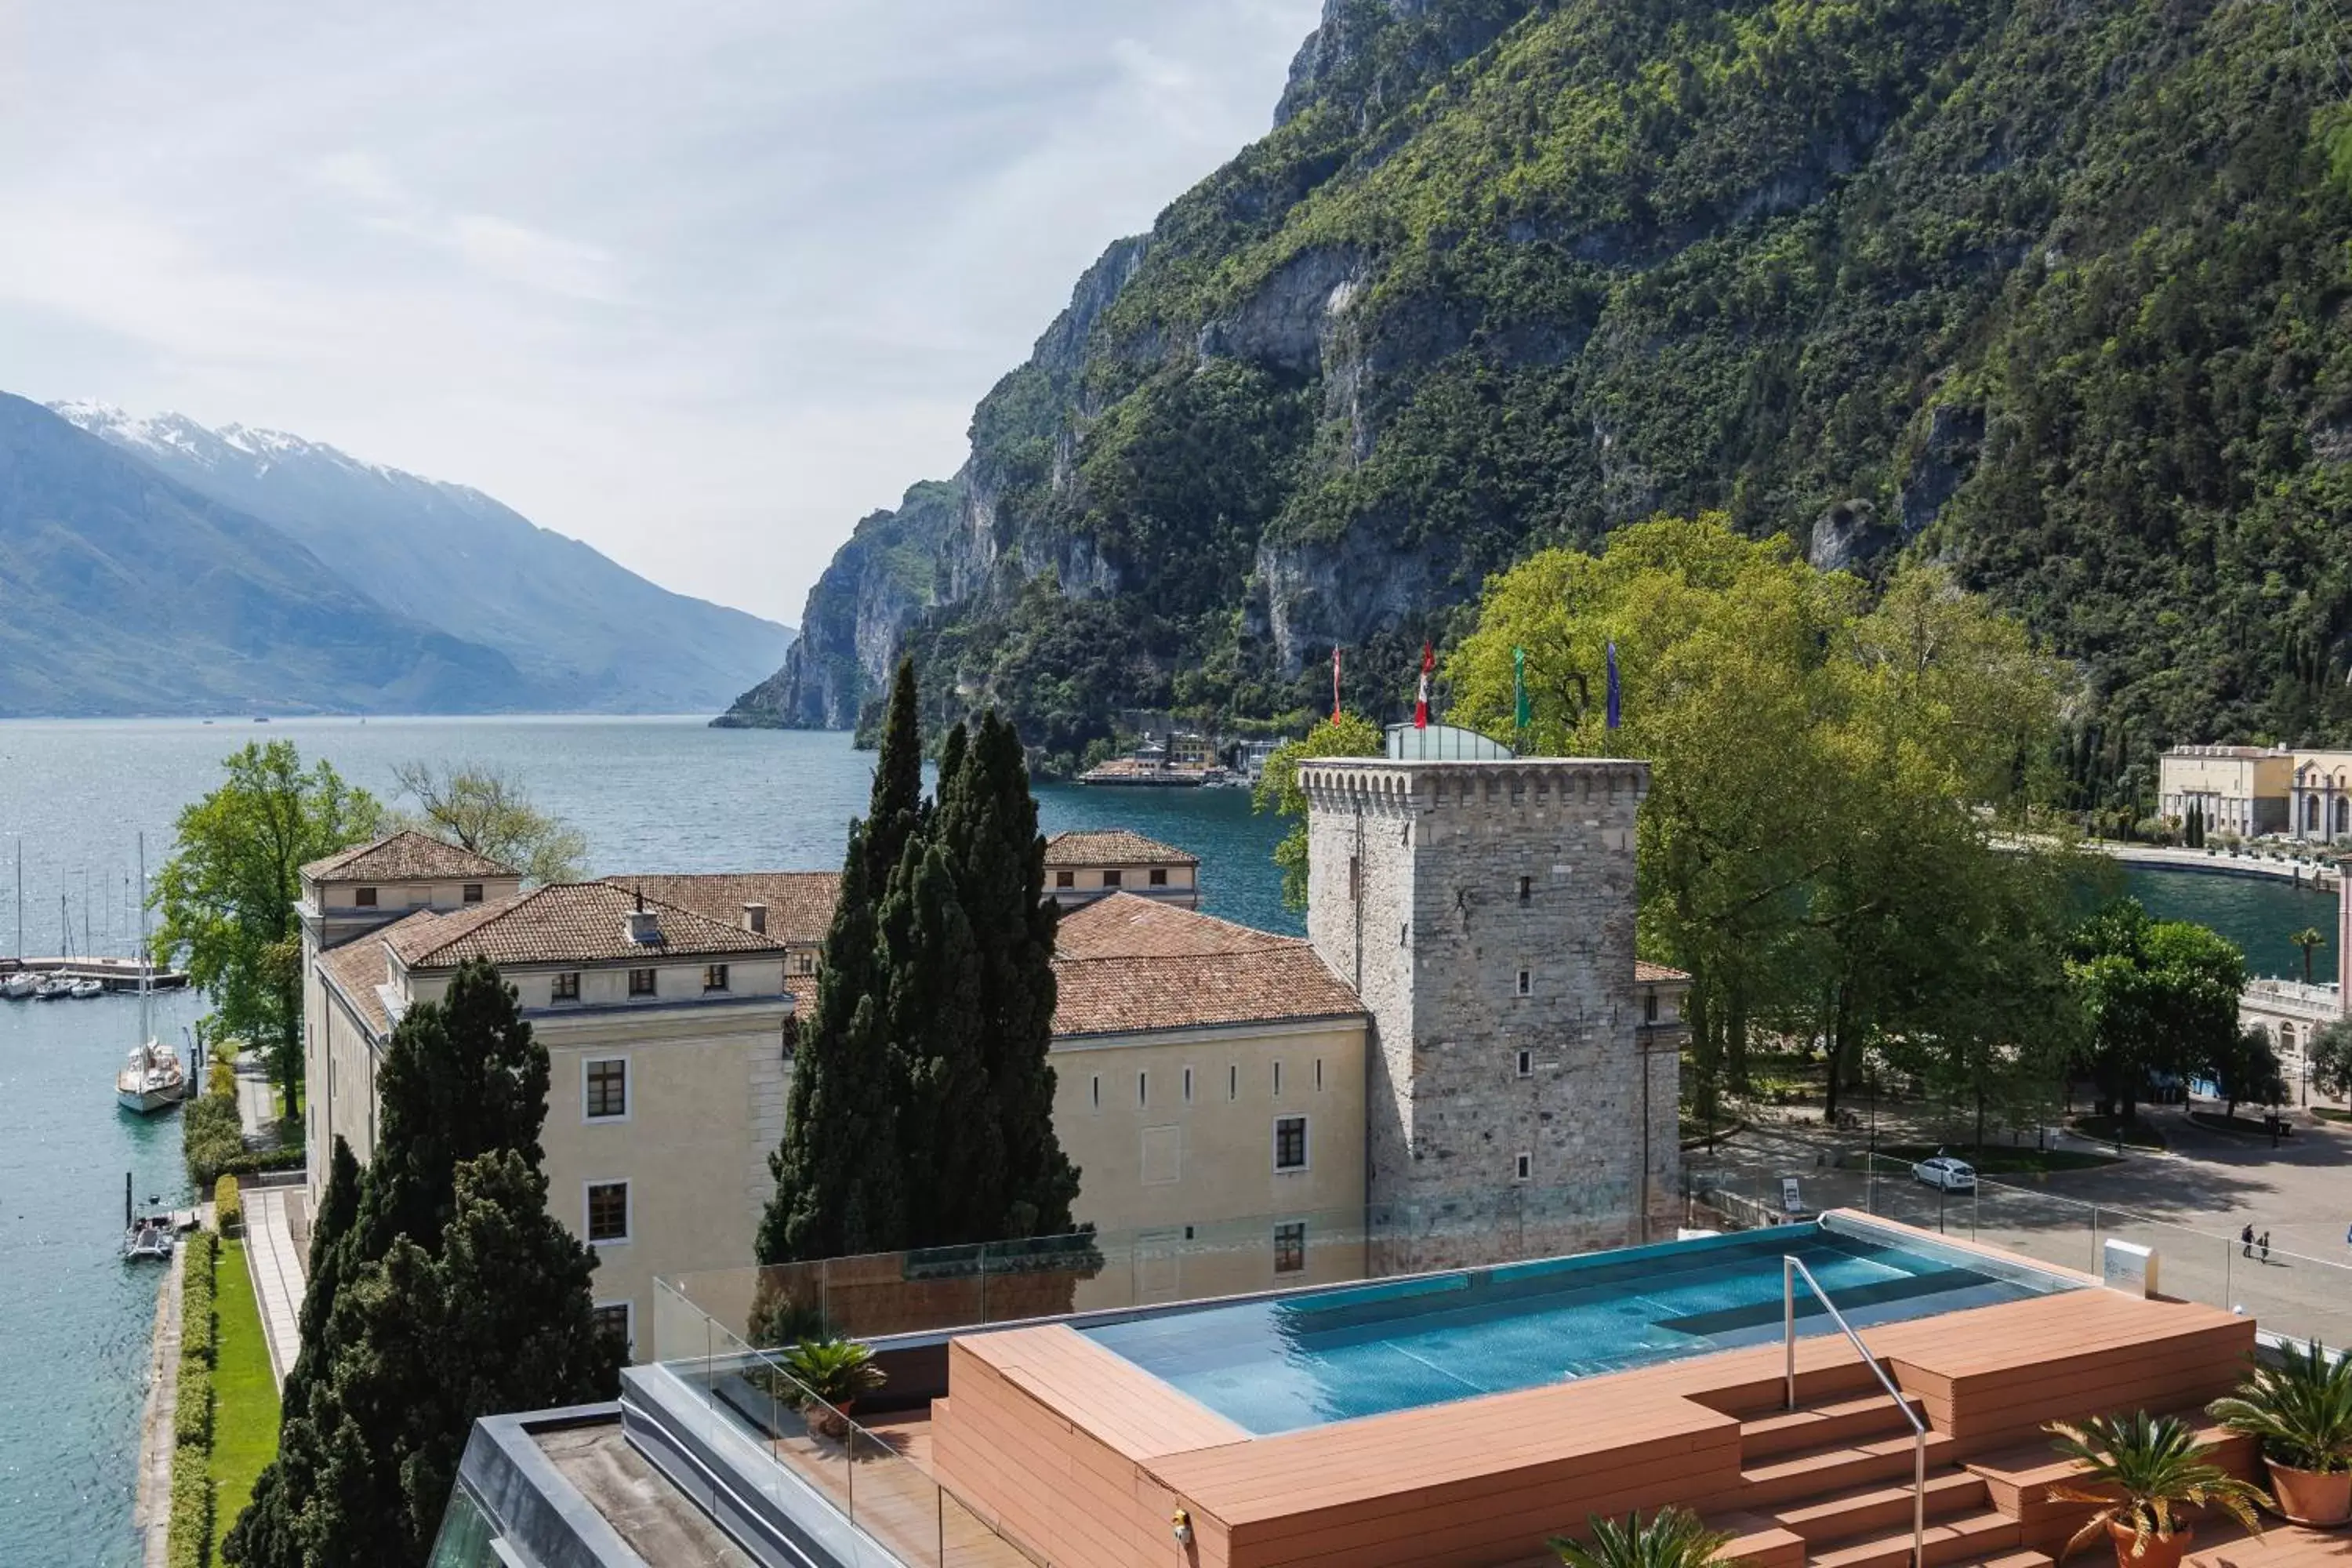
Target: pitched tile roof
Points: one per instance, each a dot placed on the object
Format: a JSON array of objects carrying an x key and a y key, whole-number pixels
[
  {"x": 566, "y": 923},
  {"x": 800, "y": 903},
  {"x": 1112, "y": 846},
  {"x": 358, "y": 967},
  {"x": 1125, "y": 965},
  {"x": 405, "y": 855},
  {"x": 1645, "y": 972}
]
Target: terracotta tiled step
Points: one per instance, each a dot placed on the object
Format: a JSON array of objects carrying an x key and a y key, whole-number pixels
[
  {"x": 1816, "y": 1473},
  {"x": 1845, "y": 1379},
  {"x": 2018, "y": 1560},
  {"x": 1846, "y": 1421},
  {"x": 1850, "y": 1514},
  {"x": 1976, "y": 1536}
]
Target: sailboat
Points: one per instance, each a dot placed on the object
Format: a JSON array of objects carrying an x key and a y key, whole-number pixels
[
  {"x": 152, "y": 1079},
  {"x": 21, "y": 983}
]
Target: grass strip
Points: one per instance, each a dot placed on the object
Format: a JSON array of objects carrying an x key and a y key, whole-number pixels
[{"x": 244, "y": 1396}]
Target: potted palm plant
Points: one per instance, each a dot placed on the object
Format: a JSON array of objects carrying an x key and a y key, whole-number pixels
[
  {"x": 2300, "y": 1410},
  {"x": 828, "y": 1377},
  {"x": 1674, "y": 1538},
  {"x": 2142, "y": 1470}
]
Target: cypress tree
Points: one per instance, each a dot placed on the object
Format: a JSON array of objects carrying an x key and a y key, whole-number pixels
[
  {"x": 838, "y": 1181},
  {"x": 895, "y": 811},
  {"x": 263, "y": 1533},
  {"x": 987, "y": 827},
  {"x": 933, "y": 983}
]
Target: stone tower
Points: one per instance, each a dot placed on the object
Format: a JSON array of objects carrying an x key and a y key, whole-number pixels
[{"x": 1520, "y": 1095}]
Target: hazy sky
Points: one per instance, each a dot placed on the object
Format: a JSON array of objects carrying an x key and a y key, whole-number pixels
[{"x": 698, "y": 282}]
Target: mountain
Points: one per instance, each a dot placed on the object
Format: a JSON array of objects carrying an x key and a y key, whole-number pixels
[
  {"x": 2056, "y": 290},
  {"x": 587, "y": 633},
  {"x": 124, "y": 592}
]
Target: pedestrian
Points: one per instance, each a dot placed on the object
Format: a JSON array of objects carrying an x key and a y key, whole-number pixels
[
  {"x": 2246, "y": 1241},
  {"x": 2265, "y": 1245}
]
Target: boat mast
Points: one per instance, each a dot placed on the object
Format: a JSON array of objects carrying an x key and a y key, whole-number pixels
[
  {"x": 20, "y": 901},
  {"x": 146, "y": 1035}
]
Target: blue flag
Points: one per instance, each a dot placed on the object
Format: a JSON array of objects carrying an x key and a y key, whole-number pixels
[{"x": 1614, "y": 711}]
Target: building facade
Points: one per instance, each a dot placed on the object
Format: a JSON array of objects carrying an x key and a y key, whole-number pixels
[
  {"x": 1522, "y": 1067},
  {"x": 2242, "y": 789},
  {"x": 1084, "y": 865}
]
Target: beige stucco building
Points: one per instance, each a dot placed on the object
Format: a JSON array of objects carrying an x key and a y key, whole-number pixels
[
  {"x": 1082, "y": 866},
  {"x": 2251, "y": 791}
]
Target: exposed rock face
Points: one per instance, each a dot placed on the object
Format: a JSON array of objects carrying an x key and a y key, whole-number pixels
[{"x": 1476, "y": 294}]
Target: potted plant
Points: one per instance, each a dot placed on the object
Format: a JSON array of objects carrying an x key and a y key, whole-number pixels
[
  {"x": 1674, "y": 1538},
  {"x": 2142, "y": 1470},
  {"x": 828, "y": 1375},
  {"x": 2301, "y": 1411}
]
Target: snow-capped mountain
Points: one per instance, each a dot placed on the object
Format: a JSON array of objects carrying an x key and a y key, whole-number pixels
[{"x": 589, "y": 634}]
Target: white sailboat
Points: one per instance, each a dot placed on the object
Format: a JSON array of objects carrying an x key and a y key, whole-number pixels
[{"x": 152, "y": 1079}]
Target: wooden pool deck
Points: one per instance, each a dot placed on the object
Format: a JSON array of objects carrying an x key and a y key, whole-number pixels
[{"x": 1086, "y": 1458}]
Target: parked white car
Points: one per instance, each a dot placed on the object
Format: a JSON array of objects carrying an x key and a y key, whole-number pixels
[{"x": 1943, "y": 1171}]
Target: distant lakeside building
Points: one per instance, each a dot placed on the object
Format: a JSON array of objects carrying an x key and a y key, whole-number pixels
[{"x": 2256, "y": 791}]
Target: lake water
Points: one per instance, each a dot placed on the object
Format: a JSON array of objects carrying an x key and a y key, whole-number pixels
[{"x": 650, "y": 795}]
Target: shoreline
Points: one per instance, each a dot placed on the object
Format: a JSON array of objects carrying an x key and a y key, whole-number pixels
[
  {"x": 2321, "y": 879},
  {"x": 152, "y": 1514}
]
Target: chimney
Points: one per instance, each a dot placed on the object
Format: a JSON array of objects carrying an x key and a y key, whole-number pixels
[
  {"x": 755, "y": 918},
  {"x": 645, "y": 925}
]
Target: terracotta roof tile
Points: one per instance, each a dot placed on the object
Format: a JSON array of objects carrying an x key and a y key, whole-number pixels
[
  {"x": 405, "y": 855},
  {"x": 566, "y": 923},
  {"x": 1113, "y": 846},
  {"x": 800, "y": 903},
  {"x": 1124, "y": 963},
  {"x": 1124, "y": 925},
  {"x": 357, "y": 968},
  {"x": 1645, "y": 972}
]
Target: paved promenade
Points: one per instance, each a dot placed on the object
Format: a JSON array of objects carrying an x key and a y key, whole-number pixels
[
  {"x": 152, "y": 1514},
  {"x": 277, "y": 1269}
]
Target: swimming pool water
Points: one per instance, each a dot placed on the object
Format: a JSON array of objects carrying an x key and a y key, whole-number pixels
[{"x": 1280, "y": 1364}]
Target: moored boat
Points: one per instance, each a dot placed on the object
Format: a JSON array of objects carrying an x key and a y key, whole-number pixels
[
  {"x": 152, "y": 1079},
  {"x": 149, "y": 1236},
  {"x": 83, "y": 990},
  {"x": 53, "y": 988},
  {"x": 20, "y": 986}
]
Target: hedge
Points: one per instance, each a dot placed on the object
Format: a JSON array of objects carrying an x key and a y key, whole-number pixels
[
  {"x": 189, "y": 1544},
  {"x": 228, "y": 1207}
]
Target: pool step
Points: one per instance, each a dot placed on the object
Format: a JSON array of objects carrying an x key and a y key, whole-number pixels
[
  {"x": 1980, "y": 1535},
  {"x": 1834, "y": 1521},
  {"x": 1845, "y": 1421},
  {"x": 1814, "y": 1474}
]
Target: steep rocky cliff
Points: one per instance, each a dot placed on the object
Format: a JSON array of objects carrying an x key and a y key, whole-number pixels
[{"x": 2055, "y": 290}]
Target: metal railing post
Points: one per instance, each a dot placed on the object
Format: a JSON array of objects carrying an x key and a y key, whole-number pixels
[
  {"x": 1788, "y": 1322},
  {"x": 1790, "y": 1268},
  {"x": 1920, "y": 1498}
]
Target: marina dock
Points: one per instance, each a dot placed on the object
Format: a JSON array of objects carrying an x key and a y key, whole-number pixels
[{"x": 115, "y": 974}]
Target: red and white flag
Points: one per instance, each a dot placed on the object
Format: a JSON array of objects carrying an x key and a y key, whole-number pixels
[
  {"x": 1335, "y": 683},
  {"x": 1421, "y": 701}
]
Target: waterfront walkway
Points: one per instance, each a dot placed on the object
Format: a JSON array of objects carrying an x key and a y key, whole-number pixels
[
  {"x": 152, "y": 1514},
  {"x": 276, "y": 1268}
]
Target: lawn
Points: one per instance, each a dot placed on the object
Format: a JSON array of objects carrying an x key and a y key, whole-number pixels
[{"x": 245, "y": 1397}]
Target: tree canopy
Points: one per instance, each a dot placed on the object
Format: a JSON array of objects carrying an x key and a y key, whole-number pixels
[
  {"x": 229, "y": 892},
  {"x": 1277, "y": 789},
  {"x": 486, "y": 809}
]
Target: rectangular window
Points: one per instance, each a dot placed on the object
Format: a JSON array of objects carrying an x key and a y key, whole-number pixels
[
  {"x": 1188, "y": 1086},
  {"x": 608, "y": 1211},
  {"x": 1110, "y": 878},
  {"x": 566, "y": 986},
  {"x": 612, "y": 1320},
  {"x": 608, "y": 1089},
  {"x": 1527, "y": 888},
  {"x": 1290, "y": 1248},
  {"x": 1650, "y": 1008},
  {"x": 474, "y": 896},
  {"x": 1526, "y": 983},
  {"x": 1143, "y": 1089},
  {"x": 363, "y": 896},
  {"x": 1232, "y": 1083},
  {"x": 1160, "y": 876},
  {"x": 801, "y": 962},
  {"x": 1098, "y": 1090},
  {"x": 1527, "y": 1064},
  {"x": 1318, "y": 1075},
  {"x": 1065, "y": 879},
  {"x": 1278, "y": 1081},
  {"x": 714, "y": 977},
  {"x": 1290, "y": 1143},
  {"x": 1524, "y": 1167},
  {"x": 641, "y": 983}
]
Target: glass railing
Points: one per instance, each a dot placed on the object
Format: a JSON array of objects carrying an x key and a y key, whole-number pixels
[{"x": 866, "y": 1470}]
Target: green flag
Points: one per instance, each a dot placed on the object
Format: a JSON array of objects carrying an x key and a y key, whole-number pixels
[{"x": 1520, "y": 687}]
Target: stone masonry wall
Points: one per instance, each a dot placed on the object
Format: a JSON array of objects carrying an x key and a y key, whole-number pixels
[{"x": 1415, "y": 896}]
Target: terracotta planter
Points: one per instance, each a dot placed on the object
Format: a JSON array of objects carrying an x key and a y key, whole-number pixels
[
  {"x": 2309, "y": 1497},
  {"x": 2162, "y": 1551},
  {"x": 829, "y": 1421}
]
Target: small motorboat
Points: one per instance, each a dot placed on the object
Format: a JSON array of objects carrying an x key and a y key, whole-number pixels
[
  {"x": 83, "y": 990},
  {"x": 149, "y": 1236},
  {"x": 54, "y": 988},
  {"x": 20, "y": 986}
]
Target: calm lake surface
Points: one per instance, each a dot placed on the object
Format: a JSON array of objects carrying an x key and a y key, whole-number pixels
[{"x": 651, "y": 794}]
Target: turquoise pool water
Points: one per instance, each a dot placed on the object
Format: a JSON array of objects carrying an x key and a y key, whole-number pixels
[{"x": 1280, "y": 1364}]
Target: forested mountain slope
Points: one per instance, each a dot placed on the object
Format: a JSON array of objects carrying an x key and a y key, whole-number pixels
[{"x": 2059, "y": 291}]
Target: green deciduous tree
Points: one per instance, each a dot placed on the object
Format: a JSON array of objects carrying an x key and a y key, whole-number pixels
[
  {"x": 1277, "y": 789},
  {"x": 2157, "y": 996},
  {"x": 2329, "y": 1052},
  {"x": 486, "y": 809},
  {"x": 228, "y": 893}
]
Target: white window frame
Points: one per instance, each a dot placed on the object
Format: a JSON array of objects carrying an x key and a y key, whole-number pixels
[
  {"x": 1526, "y": 981},
  {"x": 628, "y": 1210},
  {"x": 1305, "y": 1147},
  {"x": 628, "y": 1089},
  {"x": 1525, "y": 1064},
  {"x": 1522, "y": 1166},
  {"x": 555, "y": 997},
  {"x": 628, "y": 1334}
]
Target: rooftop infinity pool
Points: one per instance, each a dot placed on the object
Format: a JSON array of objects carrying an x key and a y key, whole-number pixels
[{"x": 1279, "y": 1363}]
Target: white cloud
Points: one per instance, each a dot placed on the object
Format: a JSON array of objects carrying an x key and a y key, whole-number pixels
[{"x": 701, "y": 283}]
